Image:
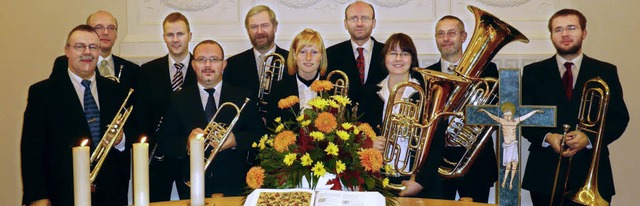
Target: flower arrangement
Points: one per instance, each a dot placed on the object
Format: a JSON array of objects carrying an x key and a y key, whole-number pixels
[{"x": 318, "y": 142}]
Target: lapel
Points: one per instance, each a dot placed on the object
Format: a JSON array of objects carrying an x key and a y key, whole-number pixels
[
  {"x": 436, "y": 67},
  {"x": 586, "y": 72},
  {"x": 193, "y": 105}
]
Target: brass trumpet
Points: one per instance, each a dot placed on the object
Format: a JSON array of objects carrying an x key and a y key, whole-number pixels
[
  {"x": 114, "y": 130},
  {"x": 215, "y": 134},
  {"x": 271, "y": 72}
]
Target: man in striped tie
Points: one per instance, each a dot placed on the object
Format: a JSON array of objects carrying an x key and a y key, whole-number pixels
[{"x": 158, "y": 80}]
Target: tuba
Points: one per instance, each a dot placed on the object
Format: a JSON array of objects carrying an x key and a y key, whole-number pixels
[
  {"x": 215, "y": 134},
  {"x": 447, "y": 94},
  {"x": 271, "y": 72},
  {"x": 114, "y": 129},
  {"x": 340, "y": 87}
]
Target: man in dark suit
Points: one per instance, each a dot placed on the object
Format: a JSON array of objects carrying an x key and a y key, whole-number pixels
[
  {"x": 114, "y": 66},
  {"x": 162, "y": 77},
  {"x": 483, "y": 173},
  {"x": 359, "y": 20},
  {"x": 190, "y": 111},
  {"x": 55, "y": 120},
  {"x": 244, "y": 68},
  {"x": 559, "y": 81}
]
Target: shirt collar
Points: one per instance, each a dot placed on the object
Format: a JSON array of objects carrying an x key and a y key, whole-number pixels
[
  {"x": 77, "y": 80},
  {"x": 368, "y": 46},
  {"x": 257, "y": 54},
  {"x": 576, "y": 61},
  {"x": 185, "y": 61}
]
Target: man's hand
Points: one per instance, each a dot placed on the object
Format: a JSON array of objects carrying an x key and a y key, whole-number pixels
[
  {"x": 378, "y": 143},
  {"x": 412, "y": 188},
  {"x": 576, "y": 141},
  {"x": 555, "y": 140},
  {"x": 229, "y": 143},
  {"x": 110, "y": 135},
  {"x": 41, "y": 202}
]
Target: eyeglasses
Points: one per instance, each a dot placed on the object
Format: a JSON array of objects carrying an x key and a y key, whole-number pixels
[
  {"x": 83, "y": 47},
  {"x": 100, "y": 28},
  {"x": 569, "y": 28},
  {"x": 364, "y": 19},
  {"x": 203, "y": 60},
  {"x": 401, "y": 54},
  {"x": 450, "y": 33},
  {"x": 262, "y": 26}
]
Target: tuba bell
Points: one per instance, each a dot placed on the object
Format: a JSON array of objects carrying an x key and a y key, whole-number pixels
[
  {"x": 114, "y": 129},
  {"x": 272, "y": 71},
  {"x": 215, "y": 134}
]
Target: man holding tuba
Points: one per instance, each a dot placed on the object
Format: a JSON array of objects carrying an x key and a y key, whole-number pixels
[
  {"x": 191, "y": 108},
  {"x": 61, "y": 112},
  {"x": 559, "y": 81}
]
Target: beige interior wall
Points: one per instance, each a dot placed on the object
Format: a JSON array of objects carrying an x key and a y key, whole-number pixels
[{"x": 34, "y": 35}]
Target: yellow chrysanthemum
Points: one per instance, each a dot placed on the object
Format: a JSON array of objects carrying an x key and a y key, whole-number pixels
[
  {"x": 371, "y": 159},
  {"x": 333, "y": 104},
  {"x": 300, "y": 118},
  {"x": 278, "y": 119},
  {"x": 261, "y": 143},
  {"x": 356, "y": 130},
  {"x": 341, "y": 99},
  {"x": 317, "y": 136},
  {"x": 279, "y": 128},
  {"x": 332, "y": 149},
  {"x": 346, "y": 125},
  {"x": 325, "y": 122},
  {"x": 305, "y": 123},
  {"x": 288, "y": 102},
  {"x": 366, "y": 128},
  {"x": 254, "y": 145},
  {"x": 318, "y": 103},
  {"x": 283, "y": 140},
  {"x": 321, "y": 86},
  {"x": 343, "y": 135},
  {"x": 318, "y": 169},
  {"x": 385, "y": 182},
  {"x": 340, "y": 167},
  {"x": 388, "y": 168},
  {"x": 306, "y": 159},
  {"x": 255, "y": 177},
  {"x": 289, "y": 158}
]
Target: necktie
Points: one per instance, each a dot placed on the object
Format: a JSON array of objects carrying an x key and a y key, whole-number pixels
[
  {"x": 177, "y": 79},
  {"x": 360, "y": 64},
  {"x": 91, "y": 112},
  {"x": 210, "y": 109},
  {"x": 567, "y": 80},
  {"x": 103, "y": 69}
]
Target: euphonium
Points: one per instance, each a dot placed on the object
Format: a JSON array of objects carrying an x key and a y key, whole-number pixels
[
  {"x": 215, "y": 134},
  {"x": 272, "y": 71},
  {"x": 340, "y": 87},
  {"x": 489, "y": 36},
  {"x": 114, "y": 130}
]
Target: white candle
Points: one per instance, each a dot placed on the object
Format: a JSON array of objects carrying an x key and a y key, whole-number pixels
[
  {"x": 197, "y": 171},
  {"x": 81, "y": 170},
  {"x": 141, "y": 173}
]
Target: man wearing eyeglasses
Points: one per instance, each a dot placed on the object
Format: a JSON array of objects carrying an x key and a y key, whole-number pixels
[
  {"x": 359, "y": 57},
  {"x": 559, "y": 81},
  {"x": 482, "y": 174},
  {"x": 109, "y": 64},
  {"x": 61, "y": 112},
  {"x": 191, "y": 109}
]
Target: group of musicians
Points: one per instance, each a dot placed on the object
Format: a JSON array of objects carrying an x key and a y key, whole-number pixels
[{"x": 176, "y": 96}]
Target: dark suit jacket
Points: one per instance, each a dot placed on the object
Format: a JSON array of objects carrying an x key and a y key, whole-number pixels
[
  {"x": 541, "y": 85},
  {"x": 129, "y": 71},
  {"x": 241, "y": 70},
  {"x": 484, "y": 170},
  {"x": 186, "y": 113},
  {"x": 286, "y": 87},
  {"x": 54, "y": 122},
  {"x": 340, "y": 57},
  {"x": 152, "y": 94}
]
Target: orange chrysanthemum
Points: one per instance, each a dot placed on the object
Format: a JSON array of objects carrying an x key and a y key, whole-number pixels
[
  {"x": 255, "y": 177},
  {"x": 288, "y": 102},
  {"x": 366, "y": 128},
  {"x": 283, "y": 140},
  {"x": 371, "y": 159},
  {"x": 325, "y": 122},
  {"x": 321, "y": 86}
]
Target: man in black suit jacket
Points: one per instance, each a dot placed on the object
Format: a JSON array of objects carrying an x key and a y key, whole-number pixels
[
  {"x": 542, "y": 84},
  {"x": 160, "y": 78},
  {"x": 190, "y": 110},
  {"x": 359, "y": 20},
  {"x": 243, "y": 68},
  {"x": 483, "y": 173},
  {"x": 107, "y": 28},
  {"x": 54, "y": 122}
]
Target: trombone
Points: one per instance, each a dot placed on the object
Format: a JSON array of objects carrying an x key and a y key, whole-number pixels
[
  {"x": 271, "y": 72},
  {"x": 114, "y": 130}
]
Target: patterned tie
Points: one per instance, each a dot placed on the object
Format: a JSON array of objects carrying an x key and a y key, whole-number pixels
[
  {"x": 177, "y": 79},
  {"x": 103, "y": 69},
  {"x": 360, "y": 64},
  {"x": 210, "y": 109},
  {"x": 567, "y": 80},
  {"x": 91, "y": 112}
]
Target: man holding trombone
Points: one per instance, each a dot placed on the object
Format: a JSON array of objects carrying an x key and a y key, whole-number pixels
[{"x": 559, "y": 81}]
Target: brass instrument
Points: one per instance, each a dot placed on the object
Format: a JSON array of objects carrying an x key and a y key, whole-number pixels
[
  {"x": 563, "y": 143},
  {"x": 215, "y": 134},
  {"x": 113, "y": 77},
  {"x": 114, "y": 130},
  {"x": 340, "y": 87},
  {"x": 271, "y": 72}
]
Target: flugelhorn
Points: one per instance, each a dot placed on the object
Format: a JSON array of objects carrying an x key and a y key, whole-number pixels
[
  {"x": 114, "y": 130},
  {"x": 272, "y": 71},
  {"x": 215, "y": 134}
]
